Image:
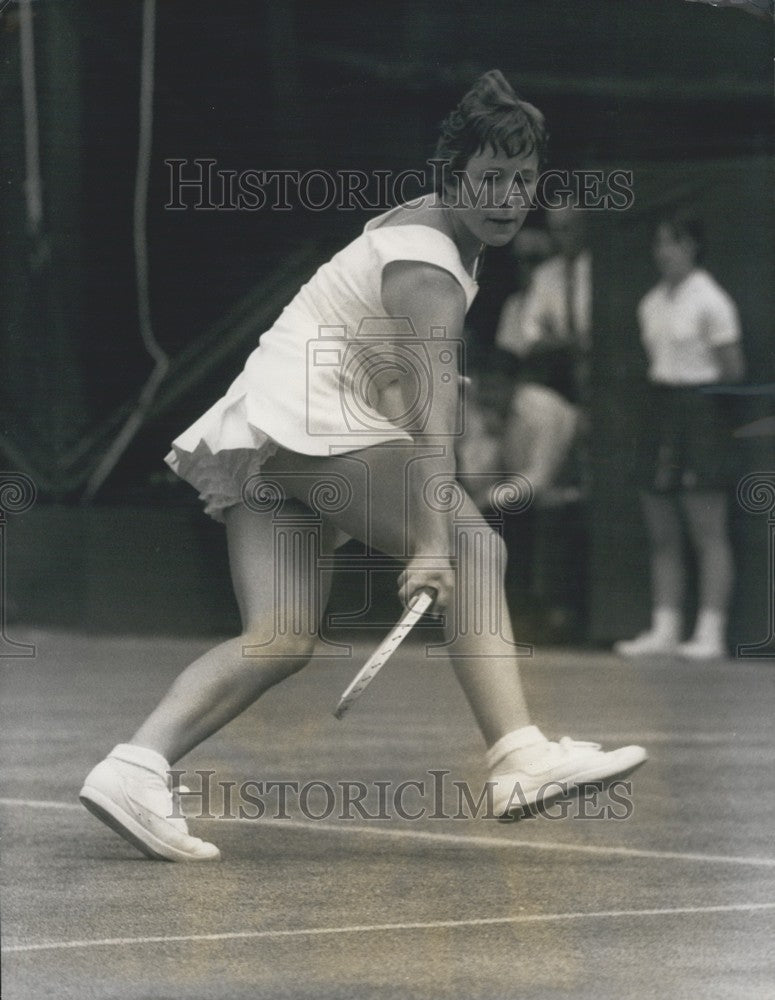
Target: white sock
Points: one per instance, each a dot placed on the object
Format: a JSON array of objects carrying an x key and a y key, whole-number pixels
[
  {"x": 515, "y": 748},
  {"x": 711, "y": 627},
  {"x": 666, "y": 622},
  {"x": 142, "y": 757}
]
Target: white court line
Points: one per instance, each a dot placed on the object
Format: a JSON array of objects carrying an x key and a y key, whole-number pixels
[
  {"x": 525, "y": 918},
  {"x": 682, "y": 739},
  {"x": 451, "y": 839},
  {"x": 41, "y": 804}
]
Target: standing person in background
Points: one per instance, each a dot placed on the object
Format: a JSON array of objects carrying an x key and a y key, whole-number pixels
[{"x": 691, "y": 332}]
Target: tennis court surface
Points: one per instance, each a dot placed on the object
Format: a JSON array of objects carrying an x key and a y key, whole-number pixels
[{"x": 666, "y": 893}]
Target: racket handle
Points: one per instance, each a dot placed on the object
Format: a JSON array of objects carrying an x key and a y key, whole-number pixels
[{"x": 421, "y": 592}]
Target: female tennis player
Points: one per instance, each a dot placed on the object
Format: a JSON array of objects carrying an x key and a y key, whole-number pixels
[
  {"x": 691, "y": 332},
  {"x": 354, "y": 391}
]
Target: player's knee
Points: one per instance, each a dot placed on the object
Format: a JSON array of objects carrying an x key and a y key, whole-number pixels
[{"x": 282, "y": 655}]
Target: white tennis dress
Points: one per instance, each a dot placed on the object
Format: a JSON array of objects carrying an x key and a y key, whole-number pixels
[{"x": 297, "y": 388}]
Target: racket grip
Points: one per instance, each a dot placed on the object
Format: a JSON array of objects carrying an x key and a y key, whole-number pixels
[{"x": 429, "y": 591}]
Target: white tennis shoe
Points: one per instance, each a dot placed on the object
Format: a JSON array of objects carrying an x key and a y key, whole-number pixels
[
  {"x": 701, "y": 649},
  {"x": 135, "y": 801},
  {"x": 556, "y": 771},
  {"x": 647, "y": 644}
]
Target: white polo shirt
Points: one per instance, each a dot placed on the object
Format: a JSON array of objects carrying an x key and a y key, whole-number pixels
[
  {"x": 681, "y": 327},
  {"x": 540, "y": 315}
]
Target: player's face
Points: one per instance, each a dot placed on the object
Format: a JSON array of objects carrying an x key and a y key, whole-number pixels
[
  {"x": 493, "y": 198},
  {"x": 674, "y": 257}
]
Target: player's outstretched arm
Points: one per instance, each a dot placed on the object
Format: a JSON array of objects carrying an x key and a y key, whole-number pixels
[{"x": 433, "y": 300}]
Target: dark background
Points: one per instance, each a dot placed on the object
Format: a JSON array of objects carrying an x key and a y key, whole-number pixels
[{"x": 680, "y": 93}]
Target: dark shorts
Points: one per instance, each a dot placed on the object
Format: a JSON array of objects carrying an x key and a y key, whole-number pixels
[{"x": 685, "y": 440}]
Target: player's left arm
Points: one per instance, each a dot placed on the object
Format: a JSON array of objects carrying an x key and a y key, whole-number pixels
[
  {"x": 731, "y": 362},
  {"x": 723, "y": 325},
  {"x": 433, "y": 300}
]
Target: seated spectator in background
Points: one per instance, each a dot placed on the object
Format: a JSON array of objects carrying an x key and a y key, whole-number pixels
[
  {"x": 494, "y": 372},
  {"x": 548, "y": 327},
  {"x": 505, "y": 275},
  {"x": 510, "y": 425},
  {"x": 691, "y": 332},
  {"x": 529, "y": 249},
  {"x": 522, "y": 420},
  {"x": 546, "y": 570}
]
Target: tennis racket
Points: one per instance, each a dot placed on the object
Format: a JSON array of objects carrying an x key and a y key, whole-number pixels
[{"x": 420, "y": 603}]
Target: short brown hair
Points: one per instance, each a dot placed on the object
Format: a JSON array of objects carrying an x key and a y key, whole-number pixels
[
  {"x": 490, "y": 114},
  {"x": 684, "y": 226}
]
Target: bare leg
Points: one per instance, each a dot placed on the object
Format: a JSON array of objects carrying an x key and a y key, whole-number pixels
[
  {"x": 706, "y": 514},
  {"x": 275, "y": 582},
  {"x": 519, "y": 757},
  {"x": 538, "y": 437},
  {"x": 485, "y": 660},
  {"x": 663, "y": 523},
  {"x": 227, "y": 679},
  {"x": 222, "y": 683}
]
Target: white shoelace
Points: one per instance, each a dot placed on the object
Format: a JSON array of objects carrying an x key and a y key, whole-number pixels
[{"x": 567, "y": 743}]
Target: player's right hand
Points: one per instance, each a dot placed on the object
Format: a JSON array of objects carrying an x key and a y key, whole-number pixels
[{"x": 428, "y": 571}]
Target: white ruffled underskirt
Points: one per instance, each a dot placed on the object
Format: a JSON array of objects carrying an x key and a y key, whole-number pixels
[{"x": 220, "y": 453}]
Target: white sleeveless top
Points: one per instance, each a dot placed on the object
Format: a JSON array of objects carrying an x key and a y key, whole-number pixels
[{"x": 296, "y": 386}]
